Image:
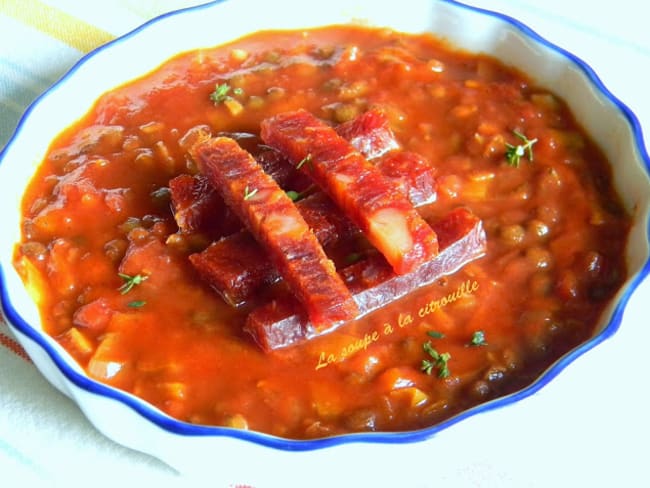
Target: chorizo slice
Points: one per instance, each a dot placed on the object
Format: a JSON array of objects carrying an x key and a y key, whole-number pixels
[
  {"x": 280, "y": 323},
  {"x": 271, "y": 161},
  {"x": 237, "y": 277},
  {"x": 198, "y": 207},
  {"x": 414, "y": 175},
  {"x": 237, "y": 266},
  {"x": 374, "y": 203},
  {"x": 276, "y": 224},
  {"x": 370, "y": 134}
]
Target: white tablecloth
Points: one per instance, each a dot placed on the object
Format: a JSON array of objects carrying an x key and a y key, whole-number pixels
[{"x": 589, "y": 427}]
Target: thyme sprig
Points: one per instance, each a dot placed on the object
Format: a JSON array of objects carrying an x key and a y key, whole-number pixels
[
  {"x": 478, "y": 339},
  {"x": 515, "y": 153},
  {"x": 438, "y": 361},
  {"x": 130, "y": 282},
  {"x": 249, "y": 193},
  {"x": 222, "y": 92}
]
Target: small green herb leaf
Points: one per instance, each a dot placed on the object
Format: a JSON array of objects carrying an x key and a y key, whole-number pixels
[
  {"x": 222, "y": 92},
  {"x": 130, "y": 282},
  {"x": 515, "y": 153},
  {"x": 427, "y": 366},
  {"x": 438, "y": 361},
  {"x": 248, "y": 193},
  {"x": 305, "y": 160},
  {"x": 299, "y": 195},
  {"x": 478, "y": 339},
  {"x": 443, "y": 365},
  {"x": 136, "y": 304},
  {"x": 435, "y": 334},
  {"x": 353, "y": 257},
  {"x": 293, "y": 195},
  {"x": 429, "y": 349}
]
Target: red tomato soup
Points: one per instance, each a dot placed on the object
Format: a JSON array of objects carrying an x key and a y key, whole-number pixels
[{"x": 119, "y": 233}]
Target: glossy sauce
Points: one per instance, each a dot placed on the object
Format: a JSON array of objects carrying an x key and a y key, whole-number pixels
[{"x": 555, "y": 231}]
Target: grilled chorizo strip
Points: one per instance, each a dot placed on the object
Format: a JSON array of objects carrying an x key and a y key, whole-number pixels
[
  {"x": 199, "y": 208},
  {"x": 280, "y": 323},
  {"x": 236, "y": 266},
  {"x": 412, "y": 173},
  {"x": 371, "y": 201},
  {"x": 273, "y": 220},
  {"x": 369, "y": 133}
]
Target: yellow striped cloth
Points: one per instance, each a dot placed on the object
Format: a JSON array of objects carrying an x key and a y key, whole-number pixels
[{"x": 41, "y": 39}]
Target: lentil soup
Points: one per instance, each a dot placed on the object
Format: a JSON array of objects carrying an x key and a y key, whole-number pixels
[{"x": 103, "y": 247}]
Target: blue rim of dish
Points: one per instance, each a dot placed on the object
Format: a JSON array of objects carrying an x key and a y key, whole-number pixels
[{"x": 182, "y": 428}]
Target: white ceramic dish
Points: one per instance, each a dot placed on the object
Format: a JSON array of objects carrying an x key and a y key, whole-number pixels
[{"x": 134, "y": 423}]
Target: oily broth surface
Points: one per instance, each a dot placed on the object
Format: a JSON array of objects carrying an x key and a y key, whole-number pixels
[{"x": 555, "y": 232}]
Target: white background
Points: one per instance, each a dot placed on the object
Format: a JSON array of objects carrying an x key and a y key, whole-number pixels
[{"x": 589, "y": 426}]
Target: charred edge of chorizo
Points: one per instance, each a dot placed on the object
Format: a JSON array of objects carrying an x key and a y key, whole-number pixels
[
  {"x": 275, "y": 222},
  {"x": 370, "y": 200},
  {"x": 236, "y": 266},
  {"x": 278, "y": 324},
  {"x": 199, "y": 208}
]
